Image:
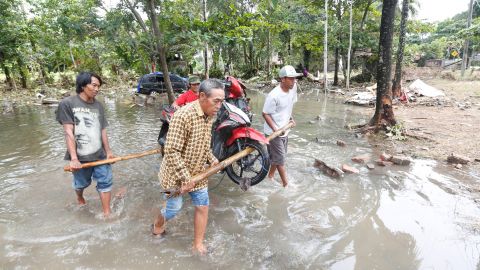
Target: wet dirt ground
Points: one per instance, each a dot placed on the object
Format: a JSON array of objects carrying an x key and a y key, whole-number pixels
[{"x": 422, "y": 216}]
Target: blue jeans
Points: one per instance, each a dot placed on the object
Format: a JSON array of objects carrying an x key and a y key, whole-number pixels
[
  {"x": 174, "y": 204},
  {"x": 102, "y": 174}
]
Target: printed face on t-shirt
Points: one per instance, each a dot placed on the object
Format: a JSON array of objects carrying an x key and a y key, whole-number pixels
[{"x": 87, "y": 133}]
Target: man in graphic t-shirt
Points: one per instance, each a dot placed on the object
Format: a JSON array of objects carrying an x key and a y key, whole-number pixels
[
  {"x": 277, "y": 112},
  {"x": 84, "y": 125}
]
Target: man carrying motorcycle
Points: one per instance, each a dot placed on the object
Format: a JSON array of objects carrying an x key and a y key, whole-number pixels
[
  {"x": 277, "y": 112},
  {"x": 187, "y": 152},
  {"x": 189, "y": 96}
]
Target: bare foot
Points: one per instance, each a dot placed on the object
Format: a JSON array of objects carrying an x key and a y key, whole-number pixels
[
  {"x": 285, "y": 183},
  {"x": 81, "y": 200},
  {"x": 199, "y": 249},
  {"x": 158, "y": 227}
]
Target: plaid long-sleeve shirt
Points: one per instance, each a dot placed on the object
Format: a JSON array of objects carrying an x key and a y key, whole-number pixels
[{"x": 187, "y": 148}]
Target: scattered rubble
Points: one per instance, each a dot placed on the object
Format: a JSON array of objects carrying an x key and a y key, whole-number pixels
[
  {"x": 422, "y": 89},
  {"x": 401, "y": 160},
  {"x": 349, "y": 169},
  {"x": 458, "y": 159},
  {"x": 384, "y": 163},
  {"x": 48, "y": 101},
  {"x": 362, "y": 99},
  {"x": 385, "y": 157},
  {"x": 361, "y": 159},
  {"x": 328, "y": 170},
  {"x": 341, "y": 143}
]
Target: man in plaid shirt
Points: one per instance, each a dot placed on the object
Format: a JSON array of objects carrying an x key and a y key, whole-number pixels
[{"x": 187, "y": 153}]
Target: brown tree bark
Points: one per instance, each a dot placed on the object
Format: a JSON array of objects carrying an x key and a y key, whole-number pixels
[
  {"x": 205, "y": 51},
  {"x": 161, "y": 50},
  {"x": 383, "y": 110},
  {"x": 138, "y": 18},
  {"x": 397, "y": 80},
  {"x": 362, "y": 26},
  {"x": 337, "y": 49}
]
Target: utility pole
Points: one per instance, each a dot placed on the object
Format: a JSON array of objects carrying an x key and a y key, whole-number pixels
[{"x": 465, "y": 45}]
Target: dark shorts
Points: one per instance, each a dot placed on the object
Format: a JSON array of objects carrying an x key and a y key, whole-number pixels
[
  {"x": 277, "y": 150},
  {"x": 102, "y": 174}
]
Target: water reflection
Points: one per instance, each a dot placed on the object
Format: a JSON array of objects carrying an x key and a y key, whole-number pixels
[{"x": 413, "y": 217}]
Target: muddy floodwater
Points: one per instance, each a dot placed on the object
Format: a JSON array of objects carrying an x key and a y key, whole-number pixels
[{"x": 421, "y": 216}]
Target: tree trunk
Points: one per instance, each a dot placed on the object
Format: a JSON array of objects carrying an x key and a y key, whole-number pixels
[
  {"x": 269, "y": 53},
  {"x": 337, "y": 65},
  {"x": 9, "y": 77},
  {"x": 161, "y": 50},
  {"x": 397, "y": 81},
  {"x": 362, "y": 24},
  {"x": 325, "y": 49},
  {"x": 71, "y": 55},
  {"x": 205, "y": 51},
  {"x": 347, "y": 77},
  {"x": 337, "y": 49},
  {"x": 153, "y": 59},
  {"x": 465, "y": 45},
  {"x": 383, "y": 109},
  {"x": 306, "y": 58},
  {"x": 252, "y": 54},
  {"x": 23, "y": 73}
]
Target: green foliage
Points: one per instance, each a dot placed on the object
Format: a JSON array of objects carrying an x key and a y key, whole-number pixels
[
  {"x": 396, "y": 132},
  {"x": 216, "y": 73},
  {"x": 44, "y": 36}
]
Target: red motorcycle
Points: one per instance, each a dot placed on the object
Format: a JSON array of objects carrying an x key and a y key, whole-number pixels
[{"x": 231, "y": 133}]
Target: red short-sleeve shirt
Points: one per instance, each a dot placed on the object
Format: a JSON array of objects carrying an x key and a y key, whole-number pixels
[{"x": 186, "y": 97}]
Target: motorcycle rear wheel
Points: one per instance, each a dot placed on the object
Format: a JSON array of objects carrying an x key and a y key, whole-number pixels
[{"x": 253, "y": 167}]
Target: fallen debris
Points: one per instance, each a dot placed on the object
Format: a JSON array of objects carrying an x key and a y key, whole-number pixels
[
  {"x": 349, "y": 169},
  {"x": 401, "y": 160},
  {"x": 385, "y": 157},
  {"x": 328, "y": 170},
  {"x": 48, "y": 101},
  {"x": 341, "y": 143},
  {"x": 362, "y": 99},
  {"x": 422, "y": 89},
  {"x": 361, "y": 159},
  {"x": 370, "y": 166},
  {"x": 384, "y": 163},
  {"x": 454, "y": 158}
]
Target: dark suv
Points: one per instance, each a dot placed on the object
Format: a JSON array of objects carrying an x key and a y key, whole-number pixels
[{"x": 154, "y": 82}]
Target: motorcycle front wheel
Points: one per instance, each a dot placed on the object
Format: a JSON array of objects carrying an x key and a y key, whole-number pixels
[{"x": 252, "y": 168}]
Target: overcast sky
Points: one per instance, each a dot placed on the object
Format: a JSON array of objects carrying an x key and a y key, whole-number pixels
[{"x": 438, "y": 10}]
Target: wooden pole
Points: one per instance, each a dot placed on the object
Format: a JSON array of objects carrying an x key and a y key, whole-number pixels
[
  {"x": 113, "y": 160},
  {"x": 226, "y": 162}
]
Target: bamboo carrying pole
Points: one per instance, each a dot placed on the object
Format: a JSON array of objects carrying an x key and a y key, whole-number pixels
[
  {"x": 226, "y": 162},
  {"x": 115, "y": 159}
]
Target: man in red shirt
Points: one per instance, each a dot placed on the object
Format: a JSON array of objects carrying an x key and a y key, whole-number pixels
[{"x": 190, "y": 95}]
